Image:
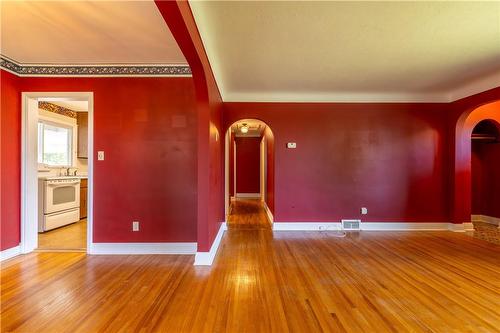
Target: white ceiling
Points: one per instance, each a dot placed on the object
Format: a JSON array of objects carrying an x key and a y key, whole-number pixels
[
  {"x": 81, "y": 32},
  {"x": 350, "y": 51}
]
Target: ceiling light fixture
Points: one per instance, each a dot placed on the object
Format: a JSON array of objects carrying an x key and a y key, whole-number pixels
[{"x": 244, "y": 128}]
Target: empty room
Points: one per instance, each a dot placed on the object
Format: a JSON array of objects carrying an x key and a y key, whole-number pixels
[{"x": 250, "y": 166}]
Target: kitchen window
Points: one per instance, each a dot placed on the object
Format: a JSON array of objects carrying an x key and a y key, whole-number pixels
[{"x": 55, "y": 146}]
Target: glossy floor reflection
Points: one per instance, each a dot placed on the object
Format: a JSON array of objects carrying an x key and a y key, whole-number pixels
[
  {"x": 265, "y": 281},
  {"x": 248, "y": 214}
]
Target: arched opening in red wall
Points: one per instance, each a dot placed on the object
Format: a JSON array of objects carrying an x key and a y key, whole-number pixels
[
  {"x": 469, "y": 121},
  {"x": 249, "y": 164},
  {"x": 485, "y": 174}
]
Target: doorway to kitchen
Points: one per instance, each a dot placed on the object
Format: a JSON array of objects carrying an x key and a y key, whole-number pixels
[
  {"x": 56, "y": 179},
  {"x": 249, "y": 175}
]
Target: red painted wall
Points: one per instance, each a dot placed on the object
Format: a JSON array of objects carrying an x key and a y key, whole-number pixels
[
  {"x": 269, "y": 138},
  {"x": 390, "y": 158},
  {"x": 477, "y": 178},
  {"x": 10, "y": 160},
  {"x": 247, "y": 164},
  {"x": 210, "y": 210},
  {"x": 464, "y": 115},
  {"x": 485, "y": 179},
  {"x": 491, "y": 181},
  {"x": 149, "y": 173}
]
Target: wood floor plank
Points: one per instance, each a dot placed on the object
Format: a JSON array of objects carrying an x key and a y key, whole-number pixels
[{"x": 264, "y": 281}]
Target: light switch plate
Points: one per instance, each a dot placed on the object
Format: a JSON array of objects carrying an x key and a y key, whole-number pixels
[
  {"x": 135, "y": 226},
  {"x": 100, "y": 155},
  {"x": 291, "y": 145}
]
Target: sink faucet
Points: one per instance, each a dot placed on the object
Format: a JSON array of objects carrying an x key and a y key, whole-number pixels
[{"x": 67, "y": 171}]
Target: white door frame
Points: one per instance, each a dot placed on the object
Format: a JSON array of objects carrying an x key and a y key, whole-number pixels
[{"x": 29, "y": 165}]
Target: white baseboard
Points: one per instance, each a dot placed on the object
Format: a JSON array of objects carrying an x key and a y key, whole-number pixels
[
  {"x": 268, "y": 212},
  {"x": 468, "y": 226},
  {"x": 404, "y": 226},
  {"x": 207, "y": 258},
  {"x": 10, "y": 253},
  {"x": 142, "y": 248},
  {"x": 248, "y": 195},
  {"x": 306, "y": 226},
  {"x": 486, "y": 219},
  {"x": 461, "y": 227},
  {"x": 373, "y": 226}
]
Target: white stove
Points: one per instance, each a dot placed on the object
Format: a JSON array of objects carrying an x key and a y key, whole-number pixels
[{"x": 58, "y": 202}]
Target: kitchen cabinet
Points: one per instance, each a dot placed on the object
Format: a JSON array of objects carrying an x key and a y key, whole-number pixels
[
  {"x": 83, "y": 198},
  {"x": 82, "y": 120}
]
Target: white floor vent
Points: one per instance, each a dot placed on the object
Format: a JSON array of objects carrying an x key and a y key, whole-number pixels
[{"x": 351, "y": 224}]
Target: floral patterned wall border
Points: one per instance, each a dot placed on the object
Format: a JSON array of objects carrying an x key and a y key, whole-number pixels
[
  {"x": 57, "y": 109},
  {"x": 41, "y": 70}
]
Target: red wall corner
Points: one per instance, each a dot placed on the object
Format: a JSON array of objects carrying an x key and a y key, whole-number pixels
[
  {"x": 10, "y": 160},
  {"x": 210, "y": 191}
]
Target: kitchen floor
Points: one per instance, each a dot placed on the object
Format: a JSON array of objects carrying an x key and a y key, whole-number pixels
[
  {"x": 486, "y": 231},
  {"x": 70, "y": 237}
]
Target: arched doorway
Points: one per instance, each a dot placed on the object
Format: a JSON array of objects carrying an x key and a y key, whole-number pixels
[
  {"x": 462, "y": 190},
  {"x": 485, "y": 175},
  {"x": 249, "y": 167}
]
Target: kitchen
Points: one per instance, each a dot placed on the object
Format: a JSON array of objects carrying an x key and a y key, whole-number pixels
[{"x": 62, "y": 175}]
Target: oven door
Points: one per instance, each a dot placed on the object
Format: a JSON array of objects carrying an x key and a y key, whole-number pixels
[{"x": 61, "y": 195}]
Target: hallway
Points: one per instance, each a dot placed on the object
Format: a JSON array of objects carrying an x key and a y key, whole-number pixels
[{"x": 247, "y": 214}]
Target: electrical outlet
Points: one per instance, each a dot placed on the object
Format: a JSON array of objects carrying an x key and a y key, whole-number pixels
[
  {"x": 291, "y": 145},
  {"x": 100, "y": 155},
  {"x": 135, "y": 226},
  {"x": 364, "y": 210}
]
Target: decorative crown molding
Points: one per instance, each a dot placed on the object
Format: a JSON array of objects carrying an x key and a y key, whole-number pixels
[
  {"x": 101, "y": 70},
  {"x": 57, "y": 109}
]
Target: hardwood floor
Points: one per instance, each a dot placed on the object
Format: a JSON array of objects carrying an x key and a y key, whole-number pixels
[
  {"x": 247, "y": 214},
  {"x": 70, "y": 237},
  {"x": 265, "y": 281}
]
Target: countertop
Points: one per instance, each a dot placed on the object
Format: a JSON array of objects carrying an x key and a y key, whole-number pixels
[{"x": 63, "y": 177}]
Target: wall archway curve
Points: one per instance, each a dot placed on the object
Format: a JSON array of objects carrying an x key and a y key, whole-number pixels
[
  {"x": 227, "y": 126},
  {"x": 468, "y": 120},
  {"x": 266, "y": 161}
]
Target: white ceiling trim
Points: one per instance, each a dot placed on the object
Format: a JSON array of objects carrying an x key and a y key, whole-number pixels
[
  {"x": 464, "y": 91},
  {"x": 475, "y": 87},
  {"x": 333, "y": 97}
]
